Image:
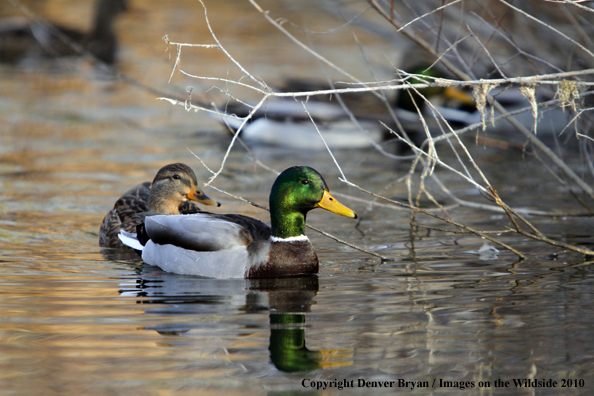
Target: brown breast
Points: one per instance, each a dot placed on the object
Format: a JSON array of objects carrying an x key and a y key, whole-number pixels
[{"x": 288, "y": 259}]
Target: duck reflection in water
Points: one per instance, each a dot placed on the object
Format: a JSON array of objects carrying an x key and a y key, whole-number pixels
[
  {"x": 22, "y": 41},
  {"x": 289, "y": 300}
]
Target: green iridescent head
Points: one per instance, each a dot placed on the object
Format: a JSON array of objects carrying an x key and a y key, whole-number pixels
[
  {"x": 295, "y": 192},
  {"x": 407, "y": 99}
]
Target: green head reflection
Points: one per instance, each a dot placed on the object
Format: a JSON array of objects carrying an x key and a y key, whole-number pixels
[{"x": 288, "y": 351}]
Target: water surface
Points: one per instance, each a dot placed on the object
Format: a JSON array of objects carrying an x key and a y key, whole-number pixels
[{"x": 78, "y": 319}]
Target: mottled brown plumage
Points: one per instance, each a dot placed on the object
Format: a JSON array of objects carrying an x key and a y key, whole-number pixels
[{"x": 173, "y": 191}]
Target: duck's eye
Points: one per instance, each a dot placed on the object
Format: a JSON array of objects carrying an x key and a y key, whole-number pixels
[
  {"x": 176, "y": 177},
  {"x": 305, "y": 182}
]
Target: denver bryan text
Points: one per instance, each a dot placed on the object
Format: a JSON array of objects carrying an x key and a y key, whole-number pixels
[{"x": 361, "y": 383}]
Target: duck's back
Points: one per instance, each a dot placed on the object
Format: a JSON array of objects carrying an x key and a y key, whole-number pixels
[
  {"x": 206, "y": 244},
  {"x": 224, "y": 246},
  {"x": 128, "y": 212},
  {"x": 206, "y": 232},
  {"x": 124, "y": 215}
]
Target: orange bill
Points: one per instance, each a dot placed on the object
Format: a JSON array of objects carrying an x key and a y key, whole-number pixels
[
  {"x": 196, "y": 194},
  {"x": 459, "y": 95},
  {"x": 330, "y": 203}
]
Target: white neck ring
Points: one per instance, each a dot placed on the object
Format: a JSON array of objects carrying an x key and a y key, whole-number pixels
[{"x": 300, "y": 238}]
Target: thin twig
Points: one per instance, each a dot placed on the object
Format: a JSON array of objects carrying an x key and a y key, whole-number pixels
[
  {"x": 464, "y": 76},
  {"x": 327, "y": 234},
  {"x": 448, "y": 221},
  {"x": 548, "y": 26}
]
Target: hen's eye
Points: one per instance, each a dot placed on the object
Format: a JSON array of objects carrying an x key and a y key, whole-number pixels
[
  {"x": 176, "y": 177},
  {"x": 304, "y": 182}
]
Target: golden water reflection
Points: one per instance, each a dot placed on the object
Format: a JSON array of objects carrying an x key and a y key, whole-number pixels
[{"x": 75, "y": 319}]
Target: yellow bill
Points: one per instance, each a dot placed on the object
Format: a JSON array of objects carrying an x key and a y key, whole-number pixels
[
  {"x": 330, "y": 203},
  {"x": 459, "y": 95}
]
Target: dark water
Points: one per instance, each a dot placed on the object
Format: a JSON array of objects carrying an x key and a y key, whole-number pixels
[{"x": 76, "y": 319}]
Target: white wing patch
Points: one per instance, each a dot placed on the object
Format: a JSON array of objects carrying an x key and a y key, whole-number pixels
[{"x": 129, "y": 239}]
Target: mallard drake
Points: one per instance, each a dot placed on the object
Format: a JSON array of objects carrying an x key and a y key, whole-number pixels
[
  {"x": 35, "y": 39},
  {"x": 284, "y": 122},
  {"x": 453, "y": 103},
  {"x": 237, "y": 246},
  {"x": 173, "y": 191}
]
